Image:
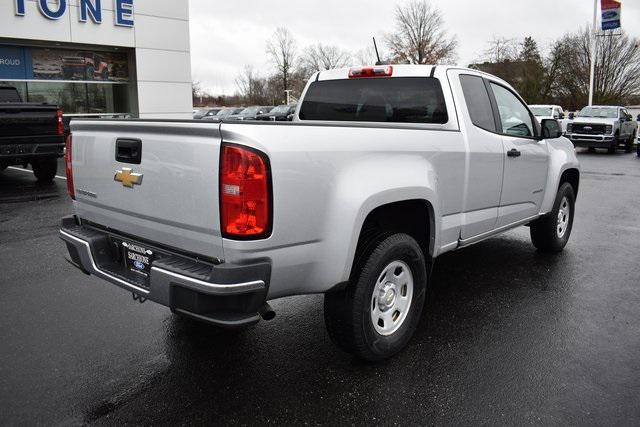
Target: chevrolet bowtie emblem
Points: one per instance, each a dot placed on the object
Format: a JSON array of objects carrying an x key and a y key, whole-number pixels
[{"x": 128, "y": 178}]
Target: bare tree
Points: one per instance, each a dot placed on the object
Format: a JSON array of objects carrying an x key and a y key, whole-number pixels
[
  {"x": 321, "y": 57},
  {"x": 419, "y": 36},
  {"x": 283, "y": 53},
  {"x": 617, "y": 77},
  {"x": 246, "y": 83},
  {"x": 501, "y": 49}
]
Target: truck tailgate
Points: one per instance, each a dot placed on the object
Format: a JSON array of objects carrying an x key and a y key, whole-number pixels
[
  {"x": 18, "y": 120},
  {"x": 176, "y": 201}
]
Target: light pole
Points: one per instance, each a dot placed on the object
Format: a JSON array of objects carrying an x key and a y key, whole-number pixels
[{"x": 594, "y": 46}]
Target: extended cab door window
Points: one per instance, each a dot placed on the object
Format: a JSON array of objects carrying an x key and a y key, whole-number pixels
[
  {"x": 478, "y": 102},
  {"x": 514, "y": 115}
]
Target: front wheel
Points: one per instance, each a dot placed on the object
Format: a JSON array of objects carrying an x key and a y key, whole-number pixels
[
  {"x": 628, "y": 147},
  {"x": 377, "y": 314},
  {"x": 551, "y": 232},
  {"x": 614, "y": 145}
]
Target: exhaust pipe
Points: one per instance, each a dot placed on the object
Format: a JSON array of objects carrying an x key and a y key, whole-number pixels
[{"x": 267, "y": 312}]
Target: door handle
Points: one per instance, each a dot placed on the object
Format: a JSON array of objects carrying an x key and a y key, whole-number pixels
[
  {"x": 513, "y": 153},
  {"x": 129, "y": 151}
]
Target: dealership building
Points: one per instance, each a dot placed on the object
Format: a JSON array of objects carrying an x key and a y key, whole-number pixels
[{"x": 99, "y": 57}]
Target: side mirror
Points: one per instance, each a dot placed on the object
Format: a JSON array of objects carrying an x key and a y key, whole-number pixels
[
  {"x": 572, "y": 116},
  {"x": 561, "y": 116},
  {"x": 551, "y": 129},
  {"x": 638, "y": 118}
]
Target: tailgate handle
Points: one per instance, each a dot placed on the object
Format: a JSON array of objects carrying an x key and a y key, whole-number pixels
[{"x": 129, "y": 151}]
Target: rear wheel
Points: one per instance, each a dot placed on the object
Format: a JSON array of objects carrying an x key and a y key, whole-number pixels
[
  {"x": 377, "y": 314},
  {"x": 551, "y": 232},
  {"x": 45, "y": 169}
]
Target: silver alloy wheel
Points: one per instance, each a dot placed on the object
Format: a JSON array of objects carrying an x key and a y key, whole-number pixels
[
  {"x": 563, "y": 217},
  {"x": 391, "y": 298}
]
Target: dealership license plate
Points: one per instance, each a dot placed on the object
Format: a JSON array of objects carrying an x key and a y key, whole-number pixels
[{"x": 138, "y": 259}]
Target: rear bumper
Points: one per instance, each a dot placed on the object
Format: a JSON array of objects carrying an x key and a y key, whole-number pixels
[
  {"x": 224, "y": 295},
  {"x": 19, "y": 150}
]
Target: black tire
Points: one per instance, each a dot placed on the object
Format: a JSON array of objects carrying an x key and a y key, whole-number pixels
[
  {"x": 614, "y": 145},
  {"x": 45, "y": 169},
  {"x": 544, "y": 231},
  {"x": 628, "y": 147},
  {"x": 347, "y": 313}
]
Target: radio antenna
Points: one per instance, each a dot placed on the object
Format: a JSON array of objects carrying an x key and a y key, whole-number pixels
[{"x": 375, "y": 46}]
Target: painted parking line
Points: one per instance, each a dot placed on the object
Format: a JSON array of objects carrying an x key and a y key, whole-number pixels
[{"x": 30, "y": 171}]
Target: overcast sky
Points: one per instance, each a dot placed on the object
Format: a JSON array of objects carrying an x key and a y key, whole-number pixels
[{"x": 226, "y": 35}]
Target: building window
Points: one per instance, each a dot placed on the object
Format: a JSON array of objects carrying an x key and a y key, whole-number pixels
[{"x": 79, "y": 81}]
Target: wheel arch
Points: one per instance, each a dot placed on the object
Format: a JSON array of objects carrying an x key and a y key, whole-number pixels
[
  {"x": 412, "y": 216},
  {"x": 572, "y": 176}
]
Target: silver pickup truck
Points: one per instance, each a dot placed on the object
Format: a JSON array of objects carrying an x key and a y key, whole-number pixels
[{"x": 382, "y": 170}]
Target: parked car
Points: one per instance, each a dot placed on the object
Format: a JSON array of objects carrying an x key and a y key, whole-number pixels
[
  {"x": 394, "y": 166},
  {"x": 603, "y": 127},
  {"x": 279, "y": 114},
  {"x": 85, "y": 65},
  {"x": 224, "y": 114},
  {"x": 547, "y": 112},
  {"x": 30, "y": 133},
  {"x": 206, "y": 112},
  {"x": 550, "y": 112},
  {"x": 250, "y": 113}
]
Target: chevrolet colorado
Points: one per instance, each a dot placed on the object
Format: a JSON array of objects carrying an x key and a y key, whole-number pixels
[
  {"x": 382, "y": 170},
  {"x": 30, "y": 133}
]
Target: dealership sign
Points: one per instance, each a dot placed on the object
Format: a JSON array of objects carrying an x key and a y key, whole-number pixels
[
  {"x": 15, "y": 63},
  {"x": 89, "y": 9},
  {"x": 611, "y": 11}
]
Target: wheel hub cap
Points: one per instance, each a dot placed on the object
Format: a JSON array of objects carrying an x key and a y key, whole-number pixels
[
  {"x": 391, "y": 298},
  {"x": 387, "y": 297},
  {"x": 563, "y": 217}
]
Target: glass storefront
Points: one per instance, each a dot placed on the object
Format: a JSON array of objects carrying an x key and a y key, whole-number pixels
[
  {"x": 79, "y": 81},
  {"x": 76, "y": 98}
]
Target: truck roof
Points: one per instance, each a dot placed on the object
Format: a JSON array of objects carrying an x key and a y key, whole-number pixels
[{"x": 401, "y": 70}]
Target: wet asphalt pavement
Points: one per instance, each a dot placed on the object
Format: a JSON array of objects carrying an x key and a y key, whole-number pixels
[{"x": 508, "y": 335}]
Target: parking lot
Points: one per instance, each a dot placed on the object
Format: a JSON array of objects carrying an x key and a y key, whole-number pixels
[{"x": 508, "y": 335}]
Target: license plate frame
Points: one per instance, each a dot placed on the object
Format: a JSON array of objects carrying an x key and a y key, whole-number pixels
[{"x": 138, "y": 259}]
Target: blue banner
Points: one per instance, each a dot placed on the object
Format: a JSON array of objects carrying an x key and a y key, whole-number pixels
[
  {"x": 611, "y": 11},
  {"x": 15, "y": 63}
]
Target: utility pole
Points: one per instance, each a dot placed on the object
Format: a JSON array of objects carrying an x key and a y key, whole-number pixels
[
  {"x": 288, "y": 92},
  {"x": 594, "y": 46}
]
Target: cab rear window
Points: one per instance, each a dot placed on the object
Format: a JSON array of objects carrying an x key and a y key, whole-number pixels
[{"x": 386, "y": 100}]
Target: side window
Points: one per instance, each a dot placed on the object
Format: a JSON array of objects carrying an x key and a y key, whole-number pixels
[
  {"x": 515, "y": 117},
  {"x": 478, "y": 102}
]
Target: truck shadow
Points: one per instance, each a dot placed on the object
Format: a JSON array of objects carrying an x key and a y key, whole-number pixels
[
  {"x": 19, "y": 186},
  {"x": 289, "y": 366}
]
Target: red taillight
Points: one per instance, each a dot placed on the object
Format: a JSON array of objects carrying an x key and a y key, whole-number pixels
[
  {"x": 68, "y": 167},
  {"x": 377, "y": 71},
  {"x": 245, "y": 199},
  {"x": 60, "y": 123}
]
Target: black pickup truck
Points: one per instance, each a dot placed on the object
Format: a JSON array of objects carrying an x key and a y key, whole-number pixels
[{"x": 30, "y": 133}]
